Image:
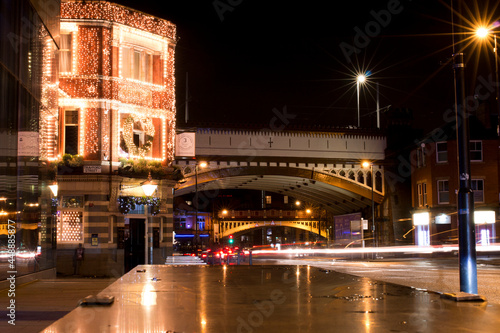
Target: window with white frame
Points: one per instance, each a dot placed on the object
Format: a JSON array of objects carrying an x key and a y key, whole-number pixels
[
  {"x": 476, "y": 150},
  {"x": 477, "y": 186},
  {"x": 419, "y": 195},
  {"x": 420, "y": 158},
  {"x": 443, "y": 192},
  {"x": 137, "y": 64},
  {"x": 65, "y": 53},
  {"x": 442, "y": 152},
  {"x": 424, "y": 193}
]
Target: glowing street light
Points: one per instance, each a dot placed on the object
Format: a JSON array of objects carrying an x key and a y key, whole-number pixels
[
  {"x": 54, "y": 188},
  {"x": 482, "y": 32},
  {"x": 360, "y": 79}
]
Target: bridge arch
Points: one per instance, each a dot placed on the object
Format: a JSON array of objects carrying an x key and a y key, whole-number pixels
[
  {"x": 333, "y": 191},
  {"x": 232, "y": 227}
]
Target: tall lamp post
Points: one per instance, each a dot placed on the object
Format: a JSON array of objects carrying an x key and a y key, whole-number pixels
[
  {"x": 361, "y": 78},
  {"x": 149, "y": 187},
  {"x": 370, "y": 165},
  {"x": 198, "y": 165},
  {"x": 465, "y": 203}
]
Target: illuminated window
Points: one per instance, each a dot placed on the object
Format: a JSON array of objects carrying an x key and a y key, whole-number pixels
[
  {"x": 69, "y": 226},
  {"x": 443, "y": 192},
  {"x": 441, "y": 152},
  {"x": 268, "y": 199},
  {"x": 71, "y": 132},
  {"x": 477, "y": 186},
  {"x": 65, "y": 54},
  {"x": 285, "y": 199},
  {"x": 476, "y": 150},
  {"x": 137, "y": 65},
  {"x": 201, "y": 224}
]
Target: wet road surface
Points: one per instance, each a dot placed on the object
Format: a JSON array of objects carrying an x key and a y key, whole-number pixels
[{"x": 271, "y": 298}]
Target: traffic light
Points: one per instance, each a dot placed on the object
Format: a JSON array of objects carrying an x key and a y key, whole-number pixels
[{"x": 231, "y": 240}]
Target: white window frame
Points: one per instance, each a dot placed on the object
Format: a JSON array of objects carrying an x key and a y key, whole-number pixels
[
  {"x": 424, "y": 193},
  {"x": 419, "y": 195},
  {"x": 439, "y": 191},
  {"x": 473, "y": 148},
  {"x": 474, "y": 183},
  {"x": 441, "y": 152},
  {"x": 66, "y": 52}
]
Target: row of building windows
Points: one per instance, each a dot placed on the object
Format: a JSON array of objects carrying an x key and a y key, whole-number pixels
[
  {"x": 135, "y": 63},
  {"x": 443, "y": 192},
  {"x": 475, "y": 152}
]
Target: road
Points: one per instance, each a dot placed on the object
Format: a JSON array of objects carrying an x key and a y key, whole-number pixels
[{"x": 433, "y": 274}]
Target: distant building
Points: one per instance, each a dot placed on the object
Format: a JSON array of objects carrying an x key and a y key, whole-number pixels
[
  {"x": 435, "y": 185},
  {"x": 116, "y": 100},
  {"x": 188, "y": 235}
]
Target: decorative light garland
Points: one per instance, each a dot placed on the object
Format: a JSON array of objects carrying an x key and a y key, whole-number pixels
[
  {"x": 127, "y": 204},
  {"x": 92, "y": 80},
  {"x": 69, "y": 226},
  {"x": 128, "y": 136},
  {"x": 100, "y": 10}
]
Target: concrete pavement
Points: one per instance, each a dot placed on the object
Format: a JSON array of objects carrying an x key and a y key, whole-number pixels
[
  {"x": 40, "y": 303},
  {"x": 270, "y": 298}
]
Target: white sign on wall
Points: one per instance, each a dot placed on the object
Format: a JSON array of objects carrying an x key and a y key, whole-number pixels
[
  {"x": 185, "y": 144},
  {"x": 27, "y": 143}
]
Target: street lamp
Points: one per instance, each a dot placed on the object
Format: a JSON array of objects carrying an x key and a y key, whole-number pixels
[
  {"x": 149, "y": 187},
  {"x": 198, "y": 165},
  {"x": 360, "y": 79},
  {"x": 370, "y": 165},
  {"x": 222, "y": 226},
  {"x": 54, "y": 188}
]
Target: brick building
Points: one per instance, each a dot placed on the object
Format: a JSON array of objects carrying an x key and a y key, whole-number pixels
[
  {"x": 435, "y": 185},
  {"x": 114, "y": 122}
]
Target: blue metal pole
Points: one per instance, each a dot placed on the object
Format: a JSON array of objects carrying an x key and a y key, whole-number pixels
[{"x": 466, "y": 232}]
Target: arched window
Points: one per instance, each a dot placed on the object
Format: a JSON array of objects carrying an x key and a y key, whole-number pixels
[
  {"x": 361, "y": 177},
  {"x": 378, "y": 181}
]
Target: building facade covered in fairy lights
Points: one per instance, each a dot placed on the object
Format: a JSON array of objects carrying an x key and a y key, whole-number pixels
[{"x": 114, "y": 101}]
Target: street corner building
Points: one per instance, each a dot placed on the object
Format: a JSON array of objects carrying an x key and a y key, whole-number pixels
[{"x": 109, "y": 123}]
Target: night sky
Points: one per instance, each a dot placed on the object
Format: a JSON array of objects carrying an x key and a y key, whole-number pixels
[{"x": 249, "y": 57}]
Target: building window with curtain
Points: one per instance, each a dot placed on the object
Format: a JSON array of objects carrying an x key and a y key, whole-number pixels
[{"x": 65, "y": 54}]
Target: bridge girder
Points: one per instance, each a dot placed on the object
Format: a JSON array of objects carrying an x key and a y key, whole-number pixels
[
  {"x": 335, "y": 193},
  {"x": 241, "y": 226}
]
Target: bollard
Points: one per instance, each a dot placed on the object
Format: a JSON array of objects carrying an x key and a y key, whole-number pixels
[
  {"x": 250, "y": 258},
  {"x": 238, "y": 259}
]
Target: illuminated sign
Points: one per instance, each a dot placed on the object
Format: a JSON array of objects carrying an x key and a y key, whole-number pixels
[
  {"x": 442, "y": 219},
  {"x": 421, "y": 218},
  {"x": 484, "y": 217}
]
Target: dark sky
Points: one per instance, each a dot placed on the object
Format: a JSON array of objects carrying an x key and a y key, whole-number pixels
[{"x": 270, "y": 54}]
